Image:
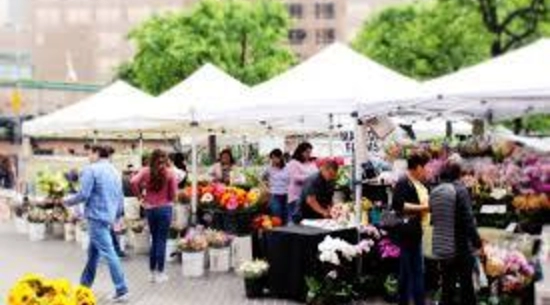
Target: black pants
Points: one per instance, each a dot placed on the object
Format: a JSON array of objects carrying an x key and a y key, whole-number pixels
[{"x": 458, "y": 270}]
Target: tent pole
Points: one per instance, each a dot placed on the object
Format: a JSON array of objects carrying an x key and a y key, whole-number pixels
[
  {"x": 95, "y": 137},
  {"x": 194, "y": 170},
  {"x": 141, "y": 148},
  {"x": 331, "y": 135},
  {"x": 357, "y": 169}
]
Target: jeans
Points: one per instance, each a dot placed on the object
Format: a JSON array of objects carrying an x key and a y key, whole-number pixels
[
  {"x": 116, "y": 243},
  {"x": 294, "y": 215},
  {"x": 411, "y": 275},
  {"x": 278, "y": 206},
  {"x": 458, "y": 270},
  {"x": 101, "y": 245},
  {"x": 159, "y": 220}
]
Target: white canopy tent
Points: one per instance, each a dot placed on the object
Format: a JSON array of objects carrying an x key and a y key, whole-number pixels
[
  {"x": 510, "y": 85},
  {"x": 333, "y": 82},
  {"x": 118, "y": 108}
]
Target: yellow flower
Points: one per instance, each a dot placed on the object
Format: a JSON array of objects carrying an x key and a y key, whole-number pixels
[
  {"x": 60, "y": 300},
  {"x": 84, "y": 296},
  {"x": 21, "y": 294},
  {"x": 61, "y": 286}
]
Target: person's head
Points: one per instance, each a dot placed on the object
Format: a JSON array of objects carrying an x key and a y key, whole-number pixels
[
  {"x": 277, "y": 158},
  {"x": 226, "y": 157},
  {"x": 111, "y": 150},
  {"x": 329, "y": 170},
  {"x": 178, "y": 159},
  {"x": 452, "y": 171},
  {"x": 416, "y": 165},
  {"x": 303, "y": 152},
  {"x": 158, "y": 163},
  {"x": 98, "y": 152}
]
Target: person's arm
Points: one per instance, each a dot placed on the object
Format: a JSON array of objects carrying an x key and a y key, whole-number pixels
[
  {"x": 464, "y": 206},
  {"x": 297, "y": 173},
  {"x": 312, "y": 202},
  {"x": 136, "y": 183},
  {"x": 86, "y": 187},
  {"x": 172, "y": 188}
]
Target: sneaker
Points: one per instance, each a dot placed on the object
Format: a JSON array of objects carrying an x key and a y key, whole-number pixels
[
  {"x": 153, "y": 277},
  {"x": 161, "y": 278},
  {"x": 121, "y": 298}
]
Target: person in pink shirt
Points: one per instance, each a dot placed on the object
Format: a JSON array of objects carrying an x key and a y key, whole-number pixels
[
  {"x": 156, "y": 186},
  {"x": 299, "y": 169}
]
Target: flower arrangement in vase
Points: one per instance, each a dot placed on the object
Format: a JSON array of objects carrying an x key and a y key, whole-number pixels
[{"x": 193, "y": 246}]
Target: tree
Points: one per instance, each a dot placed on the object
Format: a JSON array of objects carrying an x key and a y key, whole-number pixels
[
  {"x": 244, "y": 38},
  {"x": 425, "y": 40},
  {"x": 512, "y": 23}
]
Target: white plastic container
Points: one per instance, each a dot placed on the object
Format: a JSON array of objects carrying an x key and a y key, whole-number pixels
[
  {"x": 182, "y": 214},
  {"x": 171, "y": 250},
  {"x": 192, "y": 264},
  {"x": 58, "y": 230},
  {"x": 21, "y": 225},
  {"x": 141, "y": 242},
  {"x": 37, "y": 231},
  {"x": 85, "y": 241},
  {"x": 241, "y": 250},
  {"x": 131, "y": 208},
  {"x": 69, "y": 232},
  {"x": 219, "y": 259}
]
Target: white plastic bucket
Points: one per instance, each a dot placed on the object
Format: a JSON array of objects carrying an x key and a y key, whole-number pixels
[
  {"x": 37, "y": 231},
  {"x": 192, "y": 264},
  {"x": 21, "y": 225},
  {"x": 69, "y": 232},
  {"x": 58, "y": 230},
  {"x": 171, "y": 250},
  {"x": 220, "y": 259}
]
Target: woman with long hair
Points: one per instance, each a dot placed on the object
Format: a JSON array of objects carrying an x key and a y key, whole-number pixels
[
  {"x": 277, "y": 179},
  {"x": 156, "y": 186},
  {"x": 299, "y": 169}
]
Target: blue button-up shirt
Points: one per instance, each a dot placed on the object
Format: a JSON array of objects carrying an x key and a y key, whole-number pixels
[{"x": 101, "y": 192}]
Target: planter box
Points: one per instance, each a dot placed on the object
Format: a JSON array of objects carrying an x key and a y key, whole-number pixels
[
  {"x": 21, "y": 225},
  {"x": 192, "y": 264},
  {"x": 69, "y": 232},
  {"x": 171, "y": 250},
  {"x": 37, "y": 231},
  {"x": 219, "y": 259}
]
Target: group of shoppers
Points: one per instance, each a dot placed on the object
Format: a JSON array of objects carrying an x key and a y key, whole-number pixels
[
  {"x": 455, "y": 238},
  {"x": 102, "y": 192}
]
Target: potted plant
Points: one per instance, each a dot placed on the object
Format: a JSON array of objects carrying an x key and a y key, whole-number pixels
[
  {"x": 254, "y": 274},
  {"x": 172, "y": 243},
  {"x": 37, "y": 224},
  {"x": 193, "y": 253},
  {"x": 219, "y": 252}
]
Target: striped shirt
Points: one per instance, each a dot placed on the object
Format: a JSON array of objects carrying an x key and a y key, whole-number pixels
[
  {"x": 278, "y": 180},
  {"x": 443, "y": 209}
]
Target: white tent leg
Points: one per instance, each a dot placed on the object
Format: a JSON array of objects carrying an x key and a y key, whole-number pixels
[
  {"x": 357, "y": 174},
  {"x": 194, "y": 181},
  {"x": 331, "y": 135}
]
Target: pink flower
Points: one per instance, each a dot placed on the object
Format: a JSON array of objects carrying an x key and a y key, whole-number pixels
[{"x": 233, "y": 204}]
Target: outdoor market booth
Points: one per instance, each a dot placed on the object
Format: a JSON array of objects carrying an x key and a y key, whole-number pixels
[{"x": 337, "y": 90}]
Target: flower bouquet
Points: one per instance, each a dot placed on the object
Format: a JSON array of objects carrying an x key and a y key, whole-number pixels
[
  {"x": 193, "y": 251},
  {"x": 54, "y": 185},
  {"x": 33, "y": 290},
  {"x": 341, "y": 213},
  {"x": 219, "y": 253},
  {"x": 254, "y": 275}
]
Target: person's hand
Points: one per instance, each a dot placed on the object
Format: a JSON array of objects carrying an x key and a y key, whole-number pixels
[{"x": 326, "y": 214}]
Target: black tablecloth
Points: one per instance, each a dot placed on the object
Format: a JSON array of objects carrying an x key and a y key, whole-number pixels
[{"x": 292, "y": 253}]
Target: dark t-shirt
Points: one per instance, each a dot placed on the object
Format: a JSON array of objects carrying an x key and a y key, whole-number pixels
[
  {"x": 405, "y": 192},
  {"x": 323, "y": 191}
]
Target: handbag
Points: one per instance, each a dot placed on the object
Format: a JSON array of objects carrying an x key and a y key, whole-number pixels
[{"x": 389, "y": 218}]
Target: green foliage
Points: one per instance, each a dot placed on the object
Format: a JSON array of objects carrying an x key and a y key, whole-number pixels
[
  {"x": 539, "y": 123},
  {"x": 244, "y": 38},
  {"x": 426, "y": 40}
]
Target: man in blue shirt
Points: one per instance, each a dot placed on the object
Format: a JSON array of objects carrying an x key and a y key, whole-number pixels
[{"x": 101, "y": 193}]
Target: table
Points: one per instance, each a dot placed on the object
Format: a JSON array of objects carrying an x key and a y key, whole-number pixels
[{"x": 292, "y": 254}]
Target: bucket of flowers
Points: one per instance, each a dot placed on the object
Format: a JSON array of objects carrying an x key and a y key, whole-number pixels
[
  {"x": 58, "y": 216},
  {"x": 35, "y": 289},
  {"x": 219, "y": 251},
  {"x": 139, "y": 237},
  {"x": 254, "y": 274},
  {"x": 37, "y": 224},
  {"x": 21, "y": 223},
  {"x": 193, "y": 253}
]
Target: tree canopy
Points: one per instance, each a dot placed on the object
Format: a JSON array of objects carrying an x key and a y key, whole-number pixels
[{"x": 244, "y": 38}]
